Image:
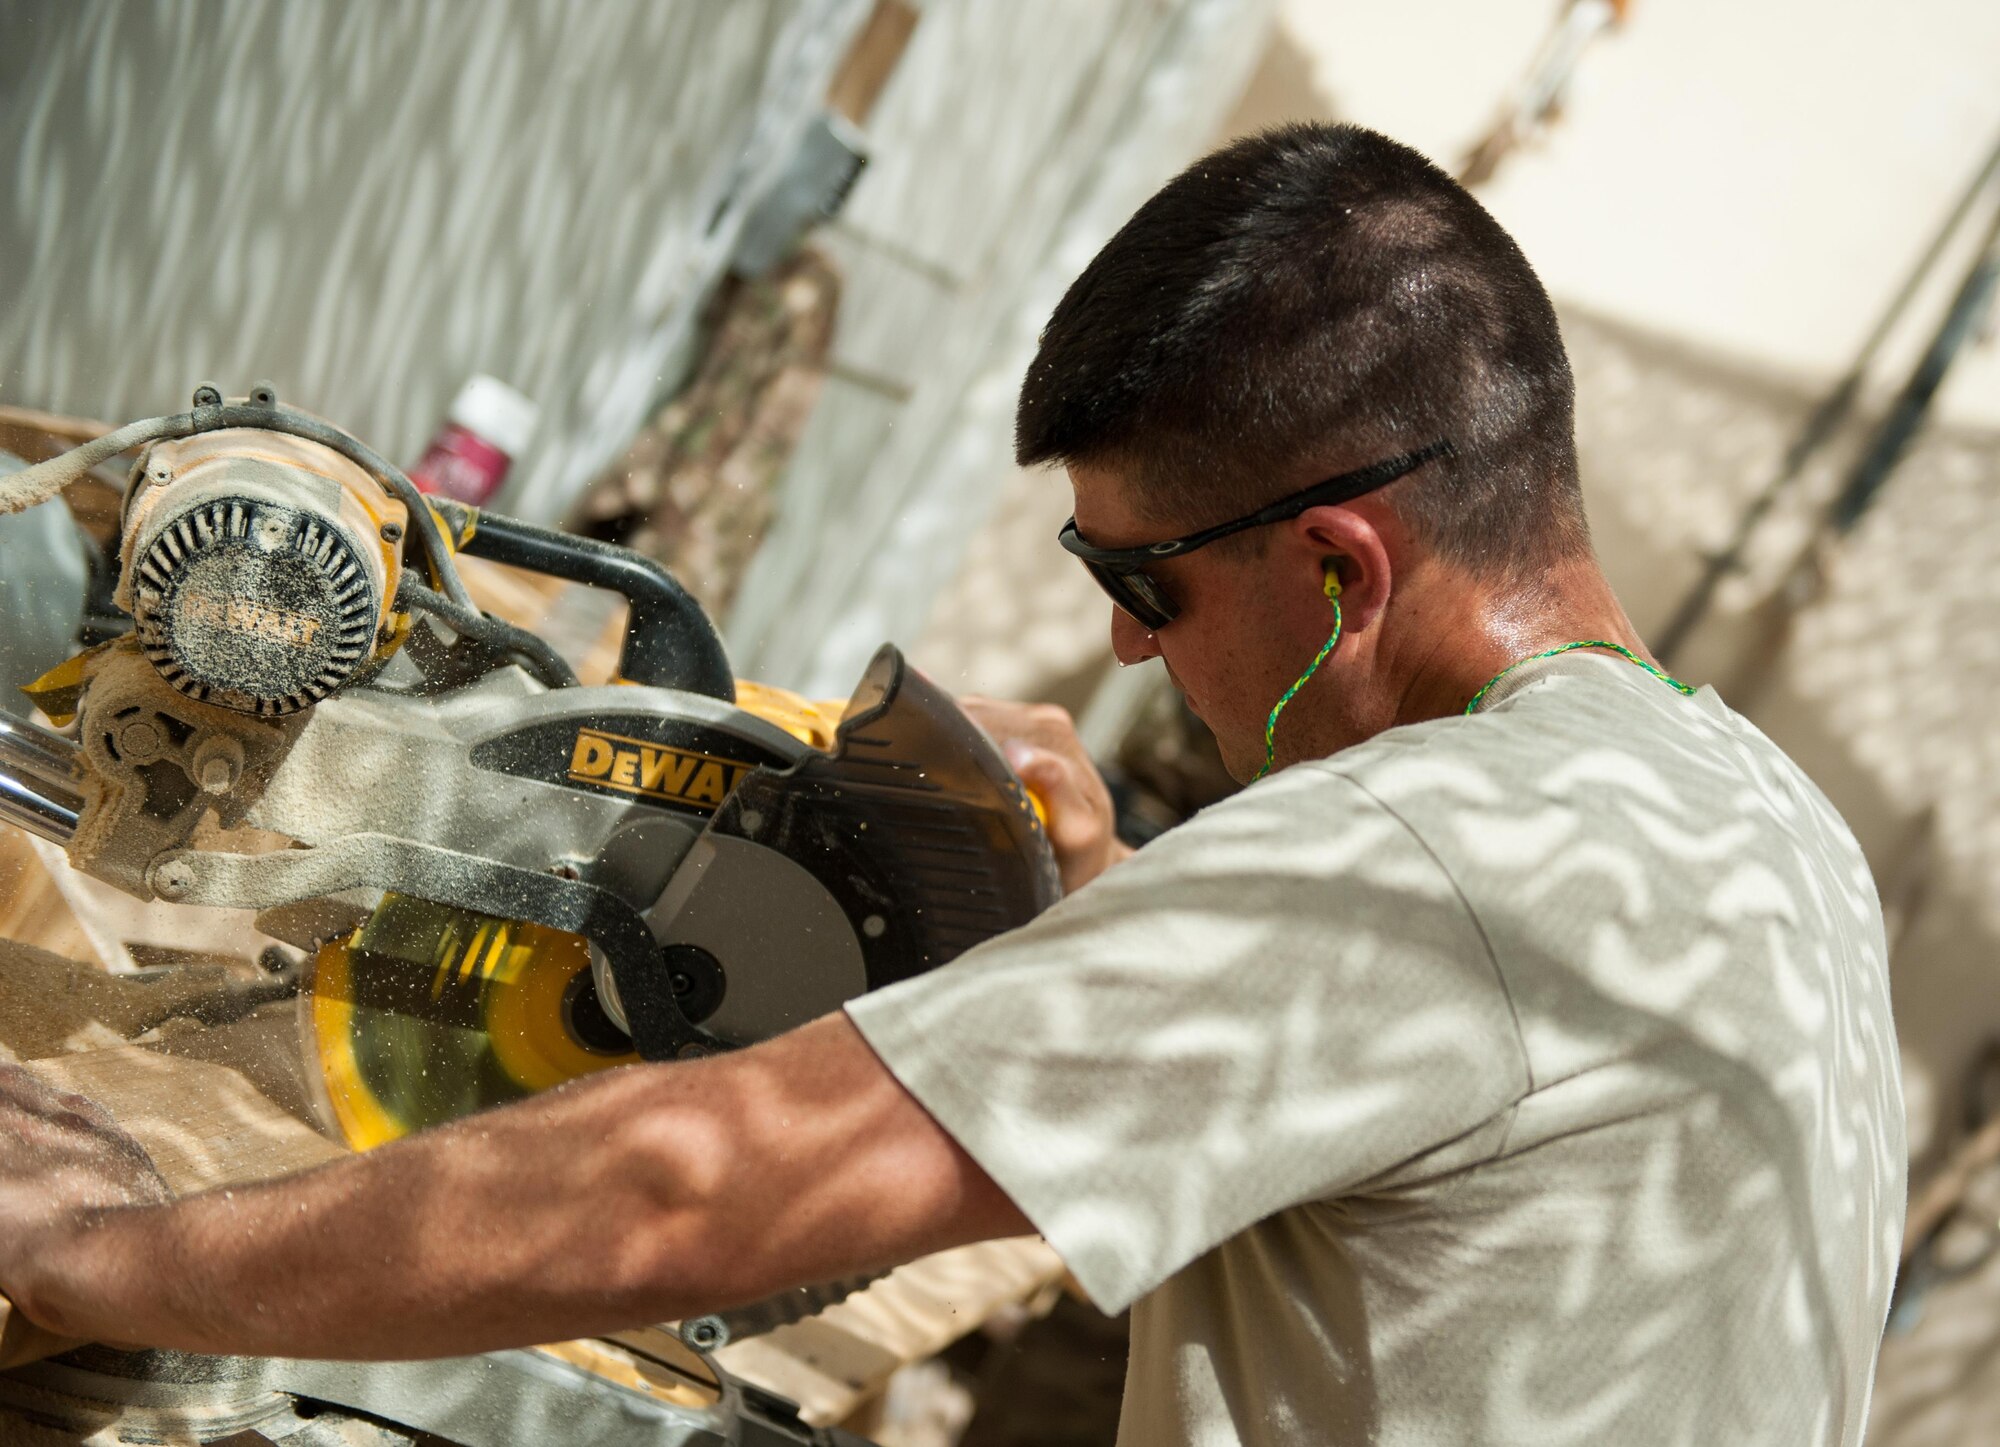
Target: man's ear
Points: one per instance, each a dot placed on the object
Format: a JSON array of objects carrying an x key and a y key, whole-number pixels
[{"x": 1354, "y": 546}]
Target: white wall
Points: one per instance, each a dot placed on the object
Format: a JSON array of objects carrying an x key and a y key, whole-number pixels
[
  {"x": 365, "y": 203},
  {"x": 1012, "y": 140},
  {"x": 1757, "y": 175}
]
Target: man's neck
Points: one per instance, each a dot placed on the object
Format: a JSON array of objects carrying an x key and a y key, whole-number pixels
[{"x": 1475, "y": 628}]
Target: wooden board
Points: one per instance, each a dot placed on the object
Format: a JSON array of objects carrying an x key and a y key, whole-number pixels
[
  {"x": 204, "y": 1124},
  {"x": 832, "y": 1363},
  {"x": 637, "y": 1365},
  {"x": 869, "y": 63},
  {"x": 51, "y": 1005},
  {"x": 32, "y": 908}
]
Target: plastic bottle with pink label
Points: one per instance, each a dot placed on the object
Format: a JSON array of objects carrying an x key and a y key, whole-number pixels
[{"x": 488, "y": 426}]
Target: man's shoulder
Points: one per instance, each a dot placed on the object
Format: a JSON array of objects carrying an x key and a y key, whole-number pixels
[
  {"x": 1584, "y": 728},
  {"x": 1416, "y": 779},
  {"x": 1311, "y": 838},
  {"x": 1595, "y": 750}
]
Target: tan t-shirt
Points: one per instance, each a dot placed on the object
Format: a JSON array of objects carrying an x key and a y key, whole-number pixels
[{"x": 1522, "y": 1078}]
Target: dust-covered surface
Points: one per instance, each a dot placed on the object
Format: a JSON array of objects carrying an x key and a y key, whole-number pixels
[
  {"x": 222, "y": 1014},
  {"x": 32, "y": 910},
  {"x": 204, "y": 1125}
]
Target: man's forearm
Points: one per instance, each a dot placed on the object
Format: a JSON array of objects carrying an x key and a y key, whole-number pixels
[
  {"x": 535, "y": 1223},
  {"x": 643, "y": 1194}
]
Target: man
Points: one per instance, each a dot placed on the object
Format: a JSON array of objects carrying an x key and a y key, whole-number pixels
[{"x": 1513, "y": 1064}]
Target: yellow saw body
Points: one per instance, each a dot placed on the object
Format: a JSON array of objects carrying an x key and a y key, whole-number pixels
[
  {"x": 425, "y": 1013},
  {"x": 503, "y": 879}
]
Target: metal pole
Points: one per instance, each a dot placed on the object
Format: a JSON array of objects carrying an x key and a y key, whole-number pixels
[
  {"x": 1821, "y": 426},
  {"x": 38, "y": 790},
  {"x": 1967, "y": 313}
]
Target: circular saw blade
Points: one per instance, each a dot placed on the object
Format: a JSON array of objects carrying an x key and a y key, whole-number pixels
[{"x": 428, "y": 1013}]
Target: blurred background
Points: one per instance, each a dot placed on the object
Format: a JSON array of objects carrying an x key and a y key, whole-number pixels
[{"x": 761, "y": 278}]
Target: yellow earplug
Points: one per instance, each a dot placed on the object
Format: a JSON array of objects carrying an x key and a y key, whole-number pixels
[{"x": 1330, "y": 587}]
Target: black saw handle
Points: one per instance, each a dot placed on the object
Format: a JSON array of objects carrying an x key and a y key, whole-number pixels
[{"x": 669, "y": 640}]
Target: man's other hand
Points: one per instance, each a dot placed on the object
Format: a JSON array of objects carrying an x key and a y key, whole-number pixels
[
  {"x": 62, "y": 1159},
  {"x": 1041, "y": 742}
]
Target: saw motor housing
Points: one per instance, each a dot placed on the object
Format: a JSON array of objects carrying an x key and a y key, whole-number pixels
[{"x": 261, "y": 569}]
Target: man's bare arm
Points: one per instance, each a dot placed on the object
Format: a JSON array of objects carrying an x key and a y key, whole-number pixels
[{"x": 642, "y": 1194}]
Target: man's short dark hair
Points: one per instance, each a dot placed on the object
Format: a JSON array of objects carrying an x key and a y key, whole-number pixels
[{"x": 1318, "y": 295}]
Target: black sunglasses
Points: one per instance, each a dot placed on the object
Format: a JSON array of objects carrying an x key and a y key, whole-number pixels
[{"x": 1121, "y": 572}]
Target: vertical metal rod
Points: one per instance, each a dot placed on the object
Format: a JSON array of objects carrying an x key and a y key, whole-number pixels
[
  {"x": 20, "y": 738},
  {"x": 1968, "y": 311}
]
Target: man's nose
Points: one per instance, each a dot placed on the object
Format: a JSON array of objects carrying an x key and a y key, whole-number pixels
[{"x": 1130, "y": 641}]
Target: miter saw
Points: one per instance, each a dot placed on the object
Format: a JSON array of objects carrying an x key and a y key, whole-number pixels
[
  {"x": 502, "y": 879},
  {"x": 499, "y": 879}
]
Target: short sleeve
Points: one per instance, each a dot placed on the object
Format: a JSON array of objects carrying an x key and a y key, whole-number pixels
[{"x": 1274, "y": 1003}]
